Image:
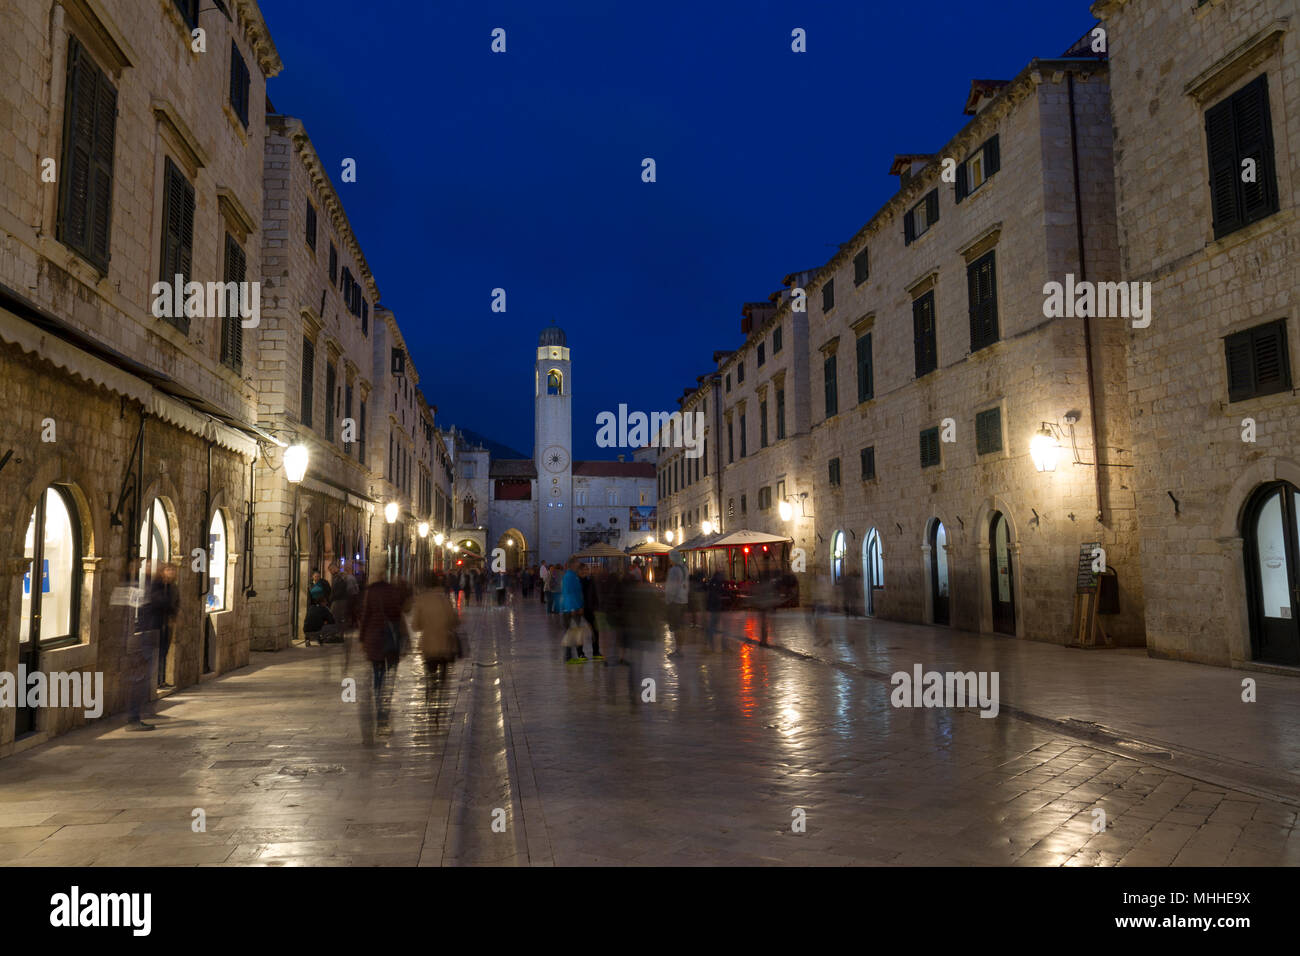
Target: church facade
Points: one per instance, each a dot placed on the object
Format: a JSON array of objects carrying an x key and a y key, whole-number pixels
[{"x": 547, "y": 507}]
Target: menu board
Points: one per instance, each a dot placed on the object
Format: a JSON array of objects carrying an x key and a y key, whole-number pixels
[{"x": 1086, "y": 581}]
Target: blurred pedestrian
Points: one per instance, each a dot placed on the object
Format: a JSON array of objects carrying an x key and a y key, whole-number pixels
[
  {"x": 438, "y": 625},
  {"x": 715, "y": 602},
  {"x": 317, "y": 618},
  {"x": 590, "y": 607},
  {"x": 570, "y": 605},
  {"x": 381, "y": 638},
  {"x": 676, "y": 595}
]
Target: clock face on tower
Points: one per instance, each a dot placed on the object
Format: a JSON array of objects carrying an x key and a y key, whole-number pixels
[{"x": 555, "y": 459}]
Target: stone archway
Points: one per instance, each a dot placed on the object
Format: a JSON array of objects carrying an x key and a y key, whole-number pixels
[{"x": 515, "y": 546}]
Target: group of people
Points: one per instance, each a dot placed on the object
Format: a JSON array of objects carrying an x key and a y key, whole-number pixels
[{"x": 331, "y": 606}]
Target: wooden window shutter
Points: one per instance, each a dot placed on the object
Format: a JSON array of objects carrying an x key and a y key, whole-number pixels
[
  {"x": 1258, "y": 362},
  {"x": 832, "y": 389},
  {"x": 981, "y": 283},
  {"x": 932, "y": 207},
  {"x": 89, "y": 133},
  {"x": 865, "y": 385},
  {"x": 178, "y": 232},
  {"x": 861, "y": 267},
  {"x": 1220, "y": 138},
  {"x": 924, "y": 334},
  {"x": 828, "y": 295},
  {"x": 334, "y": 264},
  {"x": 311, "y": 226},
  {"x": 1254, "y": 134},
  {"x": 239, "y": 84},
  {"x": 963, "y": 190},
  {"x": 232, "y": 329},
  {"x": 988, "y": 431},
  {"x": 308, "y": 380},
  {"x": 909, "y": 229},
  {"x": 329, "y": 401},
  {"x": 929, "y": 447},
  {"x": 992, "y": 156}
]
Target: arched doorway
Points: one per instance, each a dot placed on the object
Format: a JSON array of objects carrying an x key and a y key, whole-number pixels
[
  {"x": 939, "y": 571},
  {"x": 873, "y": 570},
  {"x": 1001, "y": 575},
  {"x": 1272, "y": 566},
  {"x": 515, "y": 548}
]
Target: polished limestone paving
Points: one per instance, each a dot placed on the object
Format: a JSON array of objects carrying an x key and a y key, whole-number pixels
[{"x": 789, "y": 753}]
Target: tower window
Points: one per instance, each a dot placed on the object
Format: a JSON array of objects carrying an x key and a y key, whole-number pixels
[{"x": 554, "y": 383}]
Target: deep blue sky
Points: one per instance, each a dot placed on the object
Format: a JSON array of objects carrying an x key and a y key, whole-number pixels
[{"x": 523, "y": 170}]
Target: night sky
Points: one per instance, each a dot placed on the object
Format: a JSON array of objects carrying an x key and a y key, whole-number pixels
[{"x": 522, "y": 170}]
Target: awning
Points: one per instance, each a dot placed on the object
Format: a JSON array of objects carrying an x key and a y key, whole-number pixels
[
  {"x": 738, "y": 538},
  {"x": 650, "y": 547},
  {"x": 600, "y": 550}
]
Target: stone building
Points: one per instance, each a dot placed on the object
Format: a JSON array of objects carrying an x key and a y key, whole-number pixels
[
  {"x": 925, "y": 367},
  {"x": 1206, "y": 105},
  {"x": 315, "y": 385},
  {"x": 132, "y": 154},
  {"x": 547, "y": 507}
]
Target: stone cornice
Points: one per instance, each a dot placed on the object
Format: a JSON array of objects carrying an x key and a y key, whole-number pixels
[
  {"x": 170, "y": 119},
  {"x": 292, "y": 128},
  {"x": 259, "y": 37},
  {"x": 970, "y": 135}
]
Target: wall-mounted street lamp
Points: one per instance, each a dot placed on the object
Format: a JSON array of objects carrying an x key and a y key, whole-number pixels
[
  {"x": 390, "y": 515},
  {"x": 668, "y": 536},
  {"x": 438, "y": 539},
  {"x": 784, "y": 510},
  {"x": 706, "y": 526},
  {"x": 1044, "y": 448}
]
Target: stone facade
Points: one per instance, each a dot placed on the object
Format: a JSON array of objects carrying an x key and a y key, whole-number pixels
[
  {"x": 1196, "y": 478},
  {"x": 119, "y": 413},
  {"x": 1032, "y": 370}
]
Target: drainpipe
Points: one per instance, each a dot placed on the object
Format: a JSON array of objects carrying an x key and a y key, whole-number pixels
[
  {"x": 248, "y": 529},
  {"x": 1087, "y": 321}
]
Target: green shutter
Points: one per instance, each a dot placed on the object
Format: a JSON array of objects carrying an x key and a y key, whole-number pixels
[
  {"x": 988, "y": 431},
  {"x": 909, "y": 228},
  {"x": 1220, "y": 139},
  {"x": 931, "y": 208},
  {"x": 1254, "y": 135},
  {"x": 992, "y": 156},
  {"x": 232, "y": 329},
  {"x": 923, "y": 332},
  {"x": 308, "y": 380},
  {"x": 865, "y": 385},
  {"x": 89, "y": 133},
  {"x": 981, "y": 288}
]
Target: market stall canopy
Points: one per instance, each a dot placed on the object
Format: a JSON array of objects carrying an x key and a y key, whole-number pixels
[
  {"x": 600, "y": 550},
  {"x": 650, "y": 547},
  {"x": 747, "y": 537}
]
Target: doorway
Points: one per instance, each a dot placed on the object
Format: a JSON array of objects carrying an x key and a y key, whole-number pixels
[
  {"x": 1001, "y": 576},
  {"x": 873, "y": 564},
  {"x": 939, "y": 571},
  {"x": 1272, "y": 556}
]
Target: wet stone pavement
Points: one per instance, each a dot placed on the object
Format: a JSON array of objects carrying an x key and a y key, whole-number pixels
[{"x": 519, "y": 759}]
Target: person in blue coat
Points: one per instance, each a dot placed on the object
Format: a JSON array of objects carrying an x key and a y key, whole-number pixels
[{"x": 570, "y": 605}]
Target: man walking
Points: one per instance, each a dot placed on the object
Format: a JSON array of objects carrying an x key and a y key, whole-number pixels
[{"x": 676, "y": 593}]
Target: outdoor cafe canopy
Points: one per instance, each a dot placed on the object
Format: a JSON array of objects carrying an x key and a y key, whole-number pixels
[
  {"x": 733, "y": 539},
  {"x": 650, "y": 547}
]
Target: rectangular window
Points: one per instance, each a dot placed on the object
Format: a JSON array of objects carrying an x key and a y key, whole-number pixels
[
  {"x": 704, "y": 456},
  {"x": 868, "y": 458},
  {"x": 764, "y": 498},
  {"x": 921, "y": 217},
  {"x": 744, "y": 432},
  {"x": 982, "y": 292},
  {"x": 865, "y": 383},
  {"x": 329, "y": 401},
  {"x": 89, "y": 133},
  {"x": 728, "y": 381},
  {"x": 988, "y": 431},
  {"x": 828, "y": 295},
  {"x": 927, "y": 348},
  {"x": 239, "y": 84},
  {"x": 1236, "y": 130},
  {"x": 776, "y": 340},
  {"x": 929, "y": 447},
  {"x": 308, "y": 380},
  {"x": 832, "y": 387},
  {"x": 1258, "y": 361},
  {"x": 232, "y": 328},
  {"x": 762, "y": 424},
  {"x": 978, "y": 168},
  {"x": 833, "y": 467},
  {"x": 311, "y": 226},
  {"x": 347, "y": 408},
  {"x": 178, "y": 232},
  {"x": 361, "y": 433},
  {"x": 365, "y": 317},
  {"x": 744, "y": 505},
  {"x": 730, "y": 443},
  {"x": 861, "y": 270},
  {"x": 762, "y": 353},
  {"x": 780, "y": 414},
  {"x": 740, "y": 373}
]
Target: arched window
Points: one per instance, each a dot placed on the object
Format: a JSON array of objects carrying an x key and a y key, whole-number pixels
[
  {"x": 554, "y": 383},
  {"x": 217, "y": 563},
  {"x": 874, "y": 559},
  {"x": 155, "y": 540},
  {"x": 837, "y": 557},
  {"x": 52, "y": 581}
]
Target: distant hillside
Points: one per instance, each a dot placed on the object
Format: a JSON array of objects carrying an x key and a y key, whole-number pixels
[{"x": 495, "y": 449}]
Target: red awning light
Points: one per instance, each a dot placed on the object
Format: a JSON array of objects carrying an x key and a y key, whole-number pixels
[{"x": 747, "y": 549}]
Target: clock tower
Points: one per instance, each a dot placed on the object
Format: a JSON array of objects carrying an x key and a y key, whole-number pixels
[{"x": 553, "y": 446}]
